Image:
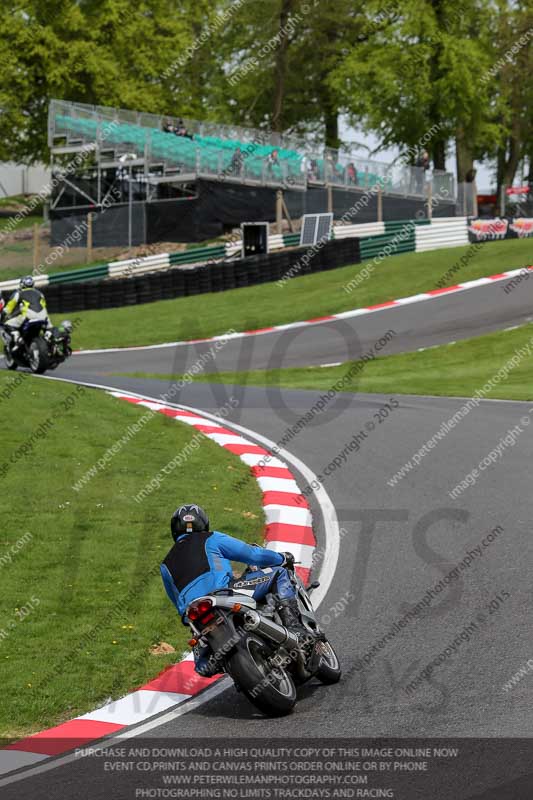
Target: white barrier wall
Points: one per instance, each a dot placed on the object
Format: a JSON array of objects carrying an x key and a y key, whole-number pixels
[
  {"x": 138, "y": 265},
  {"x": 445, "y": 232},
  {"x": 366, "y": 229}
]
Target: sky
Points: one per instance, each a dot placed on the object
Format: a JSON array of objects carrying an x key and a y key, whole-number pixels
[{"x": 484, "y": 178}]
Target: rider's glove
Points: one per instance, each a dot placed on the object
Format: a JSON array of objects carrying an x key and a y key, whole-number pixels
[{"x": 288, "y": 561}]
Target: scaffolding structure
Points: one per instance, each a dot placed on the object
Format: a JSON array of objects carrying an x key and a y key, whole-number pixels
[{"x": 98, "y": 151}]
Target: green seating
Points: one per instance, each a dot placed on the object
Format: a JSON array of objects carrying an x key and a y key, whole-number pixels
[{"x": 214, "y": 153}]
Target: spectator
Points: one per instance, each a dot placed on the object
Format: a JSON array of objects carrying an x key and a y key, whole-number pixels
[
  {"x": 237, "y": 160},
  {"x": 423, "y": 160},
  {"x": 333, "y": 170},
  {"x": 313, "y": 170},
  {"x": 351, "y": 174},
  {"x": 329, "y": 168},
  {"x": 422, "y": 163},
  {"x": 168, "y": 127},
  {"x": 272, "y": 161},
  {"x": 470, "y": 176},
  {"x": 181, "y": 130}
]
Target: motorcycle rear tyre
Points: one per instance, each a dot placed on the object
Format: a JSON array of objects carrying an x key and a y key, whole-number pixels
[
  {"x": 249, "y": 669},
  {"x": 8, "y": 357},
  {"x": 38, "y": 356}
]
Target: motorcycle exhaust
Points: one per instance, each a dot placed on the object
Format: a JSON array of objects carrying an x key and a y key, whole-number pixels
[{"x": 278, "y": 634}]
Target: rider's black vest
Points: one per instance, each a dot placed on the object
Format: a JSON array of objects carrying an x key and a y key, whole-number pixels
[
  {"x": 188, "y": 560},
  {"x": 33, "y": 297}
]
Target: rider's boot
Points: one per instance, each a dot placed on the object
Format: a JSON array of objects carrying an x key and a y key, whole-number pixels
[
  {"x": 204, "y": 663},
  {"x": 290, "y": 616}
]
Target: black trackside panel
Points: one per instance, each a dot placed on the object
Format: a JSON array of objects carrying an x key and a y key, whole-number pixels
[{"x": 188, "y": 560}]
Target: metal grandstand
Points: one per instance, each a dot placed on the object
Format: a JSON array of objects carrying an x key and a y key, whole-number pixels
[{"x": 103, "y": 138}]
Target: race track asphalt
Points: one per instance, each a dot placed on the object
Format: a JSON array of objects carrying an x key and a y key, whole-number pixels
[
  {"x": 397, "y": 543},
  {"x": 442, "y": 319}
]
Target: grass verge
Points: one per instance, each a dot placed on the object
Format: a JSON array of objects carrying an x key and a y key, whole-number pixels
[
  {"x": 24, "y": 249},
  {"x": 25, "y": 222},
  {"x": 448, "y": 370},
  {"x": 300, "y": 298},
  {"x": 82, "y": 601}
]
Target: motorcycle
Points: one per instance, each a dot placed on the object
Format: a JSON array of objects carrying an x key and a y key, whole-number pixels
[
  {"x": 248, "y": 642},
  {"x": 39, "y": 348}
]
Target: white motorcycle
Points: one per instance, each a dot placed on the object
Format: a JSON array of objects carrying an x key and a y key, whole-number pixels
[{"x": 248, "y": 641}]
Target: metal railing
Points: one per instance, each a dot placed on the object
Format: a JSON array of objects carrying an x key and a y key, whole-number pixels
[
  {"x": 345, "y": 170},
  {"x": 193, "y": 126},
  {"x": 466, "y": 202},
  {"x": 297, "y": 164}
]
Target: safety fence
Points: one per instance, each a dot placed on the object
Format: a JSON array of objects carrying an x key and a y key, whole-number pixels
[
  {"x": 374, "y": 239},
  {"x": 199, "y": 279}
]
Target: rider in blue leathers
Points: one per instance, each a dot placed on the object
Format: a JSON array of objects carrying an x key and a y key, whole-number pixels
[{"x": 199, "y": 564}]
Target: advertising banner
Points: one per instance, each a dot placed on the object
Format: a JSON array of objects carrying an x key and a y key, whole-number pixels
[{"x": 489, "y": 230}]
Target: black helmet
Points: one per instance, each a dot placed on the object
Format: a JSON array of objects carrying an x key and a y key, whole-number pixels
[
  {"x": 188, "y": 519},
  {"x": 27, "y": 282}
]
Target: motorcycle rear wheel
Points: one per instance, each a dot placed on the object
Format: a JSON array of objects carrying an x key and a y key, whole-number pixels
[
  {"x": 9, "y": 359},
  {"x": 270, "y": 689},
  {"x": 38, "y": 356}
]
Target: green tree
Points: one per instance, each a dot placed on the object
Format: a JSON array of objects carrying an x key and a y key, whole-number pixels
[
  {"x": 279, "y": 55},
  {"x": 420, "y": 75},
  {"x": 256, "y": 51},
  {"x": 510, "y": 79},
  {"x": 105, "y": 52}
]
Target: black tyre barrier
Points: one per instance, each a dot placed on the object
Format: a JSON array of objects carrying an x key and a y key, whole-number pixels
[
  {"x": 229, "y": 275},
  {"x": 192, "y": 282},
  {"x": 69, "y": 296},
  {"x": 335, "y": 257},
  {"x": 177, "y": 282},
  {"x": 117, "y": 291},
  {"x": 204, "y": 280},
  {"x": 316, "y": 261},
  {"x": 219, "y": 277},
  {"x": 282, "y": 265},
  {"x": 105, "y": 295},
  {"x": 164, "y": 287},
  {"x": 241, "y": 274},
  {"x": 298, "y": 265},
  {"x": 216, "y": 278},
  {"x": 92, "y": 295},
  {"x": 264, "y": 274},
  {"x": 145, "y": 289}
]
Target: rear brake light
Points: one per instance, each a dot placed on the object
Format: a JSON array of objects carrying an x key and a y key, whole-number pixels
[{"x": 199, "y": 610}]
